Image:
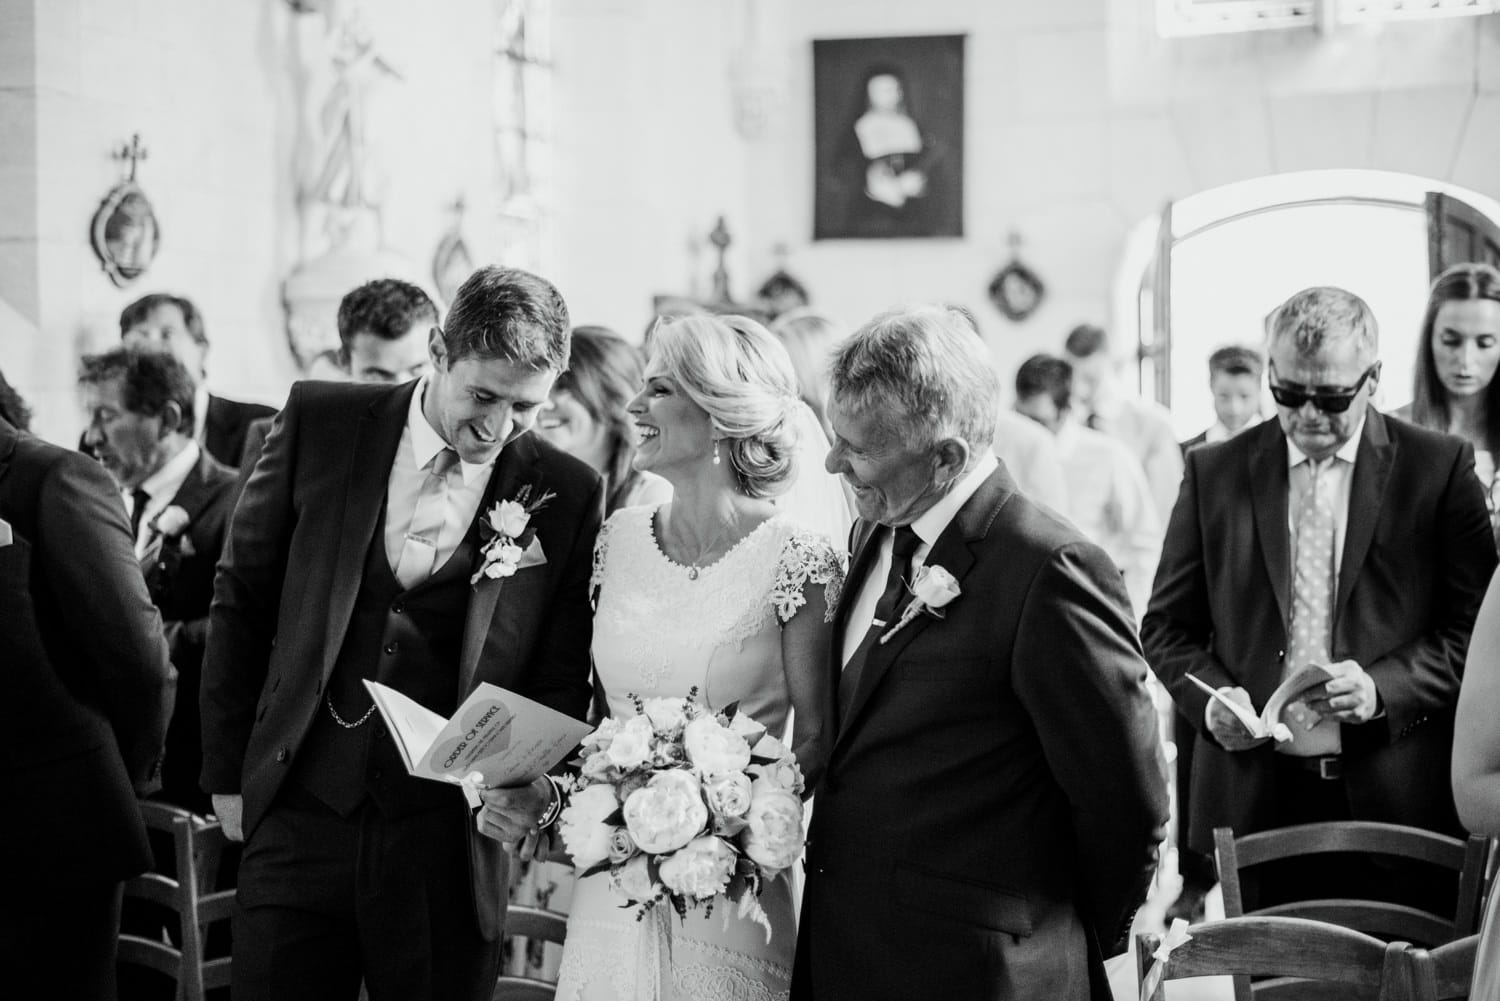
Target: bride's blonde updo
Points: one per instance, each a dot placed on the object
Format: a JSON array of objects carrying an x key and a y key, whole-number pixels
[{"x": 742, "y": 376}]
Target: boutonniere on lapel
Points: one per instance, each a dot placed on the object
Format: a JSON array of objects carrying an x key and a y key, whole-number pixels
[
  {"x": 169, "y": 530},
  {"x": 507, "y": 527},
  {"x": 933, "y": 588}
]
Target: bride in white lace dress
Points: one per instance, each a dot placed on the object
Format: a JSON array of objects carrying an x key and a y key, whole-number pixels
[{"x": 721, "y": 592}]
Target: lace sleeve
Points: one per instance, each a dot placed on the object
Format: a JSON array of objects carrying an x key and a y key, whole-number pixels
[
  {"x": 807, "y": 558},
  {"x": 601, "y": 554}
]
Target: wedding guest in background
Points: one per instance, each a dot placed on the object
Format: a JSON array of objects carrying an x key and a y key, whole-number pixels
[
  {"x": 810, "y": 337},
  {"x": 1332, "y": 536},
  {"x": 1030, "y": 455},
  {"x": 383, "y": 328},
  {"x": 1143, "y": 425},
  {"x": 1107, "y": 495},
  {"x": 178, "y": 499},
  {"x": 1454, "y": 387},
  {"x": 1234, "y": 379},
  {"x": 1476, "y": 770},
  {"x": 586, "y": 416},
  {"x": 172, "y": 323},
  {"x": 781, "y": 294},
  {"x": 352, "y": 554},
  {"x": 88, "y": 691},
  {"x": 990, "y": 814}
]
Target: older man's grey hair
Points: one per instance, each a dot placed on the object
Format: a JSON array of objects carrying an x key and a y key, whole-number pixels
[
  {"x": 1324, "y": 315},
  {"x": 925, "y": 371}
]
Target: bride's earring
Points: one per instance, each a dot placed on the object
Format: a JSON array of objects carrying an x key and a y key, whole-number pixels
[{"x": 716, "y": 451}]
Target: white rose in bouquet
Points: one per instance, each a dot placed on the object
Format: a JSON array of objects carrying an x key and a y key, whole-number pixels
[
  {"x": 667, "y": 813},
  {"x": 633, "y": 880},
  {"x": 774, "y": 836},
  {"x": 603, "y": 734},
  {"x": 631, "y": 746},
  {"x": 582, "y": 825},
  {"x": 621, "y": 845},
  {"x": 665, "y": 714},
  {"x": 728, "y": 795},
  {"x": 713, "y": 749},
  {"x": 701, "y": 869}
]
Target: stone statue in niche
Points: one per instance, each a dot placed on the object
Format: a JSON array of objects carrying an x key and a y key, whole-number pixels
[
  {"x": 124, "y": 233},
  {"x": 452, "y": 263}
]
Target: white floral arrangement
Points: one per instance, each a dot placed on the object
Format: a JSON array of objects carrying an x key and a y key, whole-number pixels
[{"x": 681, "y": 805}]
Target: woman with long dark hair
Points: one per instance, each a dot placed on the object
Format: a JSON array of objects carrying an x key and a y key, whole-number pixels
[{"x": 1454, "y": 388}]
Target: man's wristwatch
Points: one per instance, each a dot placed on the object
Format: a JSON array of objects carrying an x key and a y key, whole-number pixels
[{"x": 554, "y": 805}]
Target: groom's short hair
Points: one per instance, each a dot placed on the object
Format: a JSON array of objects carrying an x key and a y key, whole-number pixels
[
  {"x": 510, "y": 314},
  {"x": 927, "y": 369}
]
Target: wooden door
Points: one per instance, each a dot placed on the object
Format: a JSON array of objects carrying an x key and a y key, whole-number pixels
[{"x": 1458, "y": 233}]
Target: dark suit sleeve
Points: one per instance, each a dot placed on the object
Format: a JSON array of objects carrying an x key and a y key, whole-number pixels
[
  {"x": 1179, "y": 622},
  {"x": 1080, "y": 675},
  {"x": 1423, "y": 675},
  {"x": 86, "y": 558},
  {"x": 247, "y": 598},
  {"x": 560, "y": 674}
]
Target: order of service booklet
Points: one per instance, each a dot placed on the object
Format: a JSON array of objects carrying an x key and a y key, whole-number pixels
[
  {"x": 1268, "y": 722},
  {"x": 505, "y": 738}
]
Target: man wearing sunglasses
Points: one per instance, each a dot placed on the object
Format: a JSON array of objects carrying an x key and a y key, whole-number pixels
[{"x": 1336, "y": 536}]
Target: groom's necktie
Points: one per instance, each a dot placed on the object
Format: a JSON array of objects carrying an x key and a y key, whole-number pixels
[
  {"x": 419, "y": 548},
  {"x": 903, "y": 546}
]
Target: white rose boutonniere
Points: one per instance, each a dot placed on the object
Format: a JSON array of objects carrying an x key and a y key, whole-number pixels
[
  {"x": 933, "y": 588},
  {"x": 508, "y": 527},
  {"x": 171, "y": 522}
]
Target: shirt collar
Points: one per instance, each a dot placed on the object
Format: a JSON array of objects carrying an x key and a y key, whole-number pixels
[
  {"x": 426, "y": 442},
  {"x": 1347, "y": 451},
  {"x": 166, "y": 481},
  {"x": 931, "y": 523}
]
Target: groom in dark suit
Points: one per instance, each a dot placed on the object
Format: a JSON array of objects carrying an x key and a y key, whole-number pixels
[
  {"x": 355, "y": 554},
  {"x": 990, "y": 814}
]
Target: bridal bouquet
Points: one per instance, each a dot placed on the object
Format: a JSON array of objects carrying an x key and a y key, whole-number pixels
[{"x": 682, "y": 805}]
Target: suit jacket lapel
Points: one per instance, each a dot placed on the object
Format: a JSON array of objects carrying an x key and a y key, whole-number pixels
[
  {"x": 1269, "y": 486},
  {"x": 485, "y": 633},
  {"x": 369, "y": 473},
  {"x": 954, "y": 551},
  {"x": 1372, "y": 470}
]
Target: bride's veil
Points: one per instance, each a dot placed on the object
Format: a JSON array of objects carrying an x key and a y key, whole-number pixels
[{"x": 816, "y": 498}]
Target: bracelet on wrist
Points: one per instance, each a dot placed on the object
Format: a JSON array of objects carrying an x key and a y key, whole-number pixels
[{"x": 554, "y": 805}]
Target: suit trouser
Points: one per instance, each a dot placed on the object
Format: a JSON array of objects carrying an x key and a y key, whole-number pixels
[
  {"x": 58, "y": 940},
  {"x": 325, "y": 901}
]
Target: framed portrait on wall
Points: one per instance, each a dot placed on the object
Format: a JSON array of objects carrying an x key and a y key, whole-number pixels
[{"x": 888, "y": 125}]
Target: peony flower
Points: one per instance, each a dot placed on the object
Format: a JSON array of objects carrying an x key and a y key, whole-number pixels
[
  {"x": 509, "y": 518},
  {"x": 713, "y": 749},
  {"x": 582, "y": 825},
  {"x": 596, "y": 767},
  {"x": 774, "y": 838},
  {"x": 631, "y": 746},
  {"x": 782, "y": 773},
  {"x": 633, "y": 880},
  {"x": 621, "y": 846},
  {"x": 746, "y": 727},
  {"x": 728, "y": 795},
  {"x": 603, "y": 733},
  {"x": 666, "y": 714},
  {"x": 666, "y": 814},
  {"x": 701, "y": 869},
  {"x": 769, "y": 747}
]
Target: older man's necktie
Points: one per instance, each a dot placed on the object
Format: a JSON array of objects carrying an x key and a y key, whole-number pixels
[
  {"x": 419, "y": 548},
  {"x": 1312, "y": 604},
  {"x": 904, "y": 545}
]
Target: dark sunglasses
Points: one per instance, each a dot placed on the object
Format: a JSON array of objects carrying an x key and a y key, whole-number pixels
[{"x": 1327, "y": 399}]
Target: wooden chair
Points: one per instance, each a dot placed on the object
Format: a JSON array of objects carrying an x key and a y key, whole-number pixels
[
  {"x": 531, "y": 923},
  {"x": 1306, "y": 959},
  {"x": 197, "y": 846},
  {"x": 1444, "y": 973},
  {"x": 1379, "y": 918}
]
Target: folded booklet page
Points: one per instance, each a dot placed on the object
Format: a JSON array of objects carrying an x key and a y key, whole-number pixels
[
  {"x": 505, "y": 738},
  {"x": 1268, "y": 723}
]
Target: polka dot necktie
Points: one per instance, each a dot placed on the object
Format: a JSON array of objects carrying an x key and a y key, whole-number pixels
[{"x": 1312, "y": 604}]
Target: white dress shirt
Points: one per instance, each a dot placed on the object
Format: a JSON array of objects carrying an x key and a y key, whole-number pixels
[
  {"x": 420, "y": 443},
  {"x": 162, "y": 487},
  {"x": 928, "y": 526}
]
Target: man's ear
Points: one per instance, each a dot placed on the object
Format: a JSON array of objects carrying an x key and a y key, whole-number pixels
[
  {"x": 437, "y": 349},
  {"x": 952, "y": 459},
  {"x": 171, "y": 419}
]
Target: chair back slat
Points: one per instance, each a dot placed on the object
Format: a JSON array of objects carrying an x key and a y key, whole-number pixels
[
  {"x": 1373, "y": 917},
  {"x": 1366, "y": 836}
]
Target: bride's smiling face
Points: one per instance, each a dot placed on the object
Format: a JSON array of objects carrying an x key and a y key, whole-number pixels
[{"x": 672, "y": 432}]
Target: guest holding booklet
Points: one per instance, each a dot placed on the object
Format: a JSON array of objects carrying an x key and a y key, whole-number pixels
[
  {"x": 416, "y": 535},
  {"x": 1337, "y": 537}
]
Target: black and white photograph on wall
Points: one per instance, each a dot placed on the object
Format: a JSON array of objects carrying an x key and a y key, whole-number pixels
[{"x": 889, "y": 127}]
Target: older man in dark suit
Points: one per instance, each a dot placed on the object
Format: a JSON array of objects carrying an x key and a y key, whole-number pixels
[
  {"x": 990, "y": 813},
  {"x": 88, "y": 692},
  {"x": 353, "y": 555},
  {"x": 1334, "y": 536}
]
